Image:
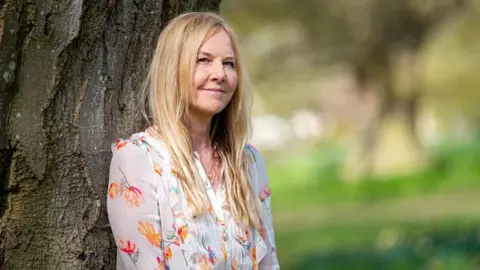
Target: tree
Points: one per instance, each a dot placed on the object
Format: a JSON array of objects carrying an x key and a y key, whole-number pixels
[
  {"x": 71, "y": 72},
  {"x": 379, "y": 40}
]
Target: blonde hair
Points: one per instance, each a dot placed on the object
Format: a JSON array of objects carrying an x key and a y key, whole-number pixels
[{"x": 167, "y": 92}]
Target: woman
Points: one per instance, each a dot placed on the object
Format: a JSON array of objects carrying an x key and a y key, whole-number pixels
[{"x": 189, "y": 193}]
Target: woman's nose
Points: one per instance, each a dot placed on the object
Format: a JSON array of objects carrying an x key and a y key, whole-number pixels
[{"x": 217, "y": 71}]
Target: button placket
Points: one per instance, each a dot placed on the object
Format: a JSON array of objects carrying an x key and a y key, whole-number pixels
[{"x": 220, "y": 217}]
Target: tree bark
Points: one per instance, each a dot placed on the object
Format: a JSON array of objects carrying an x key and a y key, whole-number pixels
[{"x": 71, "y": 74}]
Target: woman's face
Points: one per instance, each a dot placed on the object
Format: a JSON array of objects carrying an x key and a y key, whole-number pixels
[{"x": 215, "y": 77}]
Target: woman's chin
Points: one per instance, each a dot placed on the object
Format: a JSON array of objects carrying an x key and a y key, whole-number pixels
[{"x": 210, "y": 109}]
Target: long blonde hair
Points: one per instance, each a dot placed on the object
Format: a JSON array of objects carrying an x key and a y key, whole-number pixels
[{"x": 167, "y": 92}]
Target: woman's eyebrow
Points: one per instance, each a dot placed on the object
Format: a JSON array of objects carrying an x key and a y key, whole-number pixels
[{"x": 228, "y": 57}]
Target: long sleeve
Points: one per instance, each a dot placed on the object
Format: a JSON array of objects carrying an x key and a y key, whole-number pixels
[
  {"x": 132, "y": 206},
  {"x": 270, "y": 261}
]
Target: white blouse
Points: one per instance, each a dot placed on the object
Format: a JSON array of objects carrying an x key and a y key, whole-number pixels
[{"x": 153, "y": 226}]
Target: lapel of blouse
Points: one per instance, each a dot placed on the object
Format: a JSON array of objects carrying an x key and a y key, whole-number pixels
[
  {"x": 259, "y": 242},
  {"x": 177, "y": 200},
  {"x": 214, "y": 200}
]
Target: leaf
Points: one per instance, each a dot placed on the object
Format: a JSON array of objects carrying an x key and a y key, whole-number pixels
[
  {"x": 135, "y": 257},
  {"x": 124, "y": 183}
]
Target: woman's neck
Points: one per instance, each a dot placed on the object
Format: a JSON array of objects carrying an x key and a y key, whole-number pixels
[
  {"x": 200, "y": 133},
  {"x": 201, "y": 143}
]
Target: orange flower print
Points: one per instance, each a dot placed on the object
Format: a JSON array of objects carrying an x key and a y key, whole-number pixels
[
  {"x": 182, "y": 233},
  {"x": 160, "y": 265},
  {"x": 133, "y": 196},
  {"x": 127, "y": 247},
  {"x": 119, "y": 144},
  {"x": 234, "y": 265},
  {"x": 204, "y": 263},
  {"x": 149, "y": 232},
  {"x": 224, "y": 251},
  {"x": 265, "y": 193},
  {"x": 158, "y": 170},
  {"x": 114, "y": 190},
  {"x": 262, "y": 232},
  {"x": 168, "y": 253},
  {"x": 254, "y": 258},
  {"x": 174, "y": 173},
  {"x": 176, "y": 236}
]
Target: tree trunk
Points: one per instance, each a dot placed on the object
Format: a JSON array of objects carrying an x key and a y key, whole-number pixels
[
  {"x": 389, "y": 143},
  {"x": 71, "y": 74}
]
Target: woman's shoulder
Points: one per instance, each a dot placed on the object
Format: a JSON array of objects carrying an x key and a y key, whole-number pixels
[
  {"x": 135, "y": 141},
  {"x": 254, "y": 153},
  {"x": 139, "y": 142}
]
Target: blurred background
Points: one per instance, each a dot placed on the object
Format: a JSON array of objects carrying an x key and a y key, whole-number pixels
[{"x": 367, "y": 112}]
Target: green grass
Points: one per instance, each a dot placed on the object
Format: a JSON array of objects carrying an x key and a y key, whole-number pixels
[
  {"x": 342, "y": 246},
  {"x": 312, "y": 177},
  {"x": 427, "y": 220}
]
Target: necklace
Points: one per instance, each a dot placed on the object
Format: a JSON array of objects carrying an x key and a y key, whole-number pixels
[{"x": 213, "y": 172}]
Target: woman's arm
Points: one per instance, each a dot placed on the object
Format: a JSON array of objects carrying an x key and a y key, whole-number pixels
[
  {"x": 133, "y": 209},
  {"x": 270, "y": 261}
]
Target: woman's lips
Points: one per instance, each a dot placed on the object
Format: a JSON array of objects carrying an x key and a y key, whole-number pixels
[{"x": 214, "y": 90}]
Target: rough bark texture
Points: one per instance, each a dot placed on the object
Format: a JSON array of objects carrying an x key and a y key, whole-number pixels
[{"x": 70, "y": 75}]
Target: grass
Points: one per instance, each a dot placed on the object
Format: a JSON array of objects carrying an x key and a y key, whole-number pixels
[
  {"x": 322, "y": 222},
  {"x": 312, "y": 177},
  {"x": 369, "y": 244},
  {"x": 378, "y": 227}
]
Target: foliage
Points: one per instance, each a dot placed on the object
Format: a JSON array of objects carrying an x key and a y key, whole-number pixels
[
  {"x": 315, "y": 174},
  {"x": 450, "y": 248},
  {"x": 428, "y": 220},
  {"x": 450, "y": 60},
  {"x": 411, "y": 48}
]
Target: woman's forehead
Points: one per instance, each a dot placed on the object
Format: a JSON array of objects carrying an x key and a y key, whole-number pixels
[{"x": 218, "y": 44}]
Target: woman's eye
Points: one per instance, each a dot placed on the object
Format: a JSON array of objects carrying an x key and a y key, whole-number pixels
[
  {"x": 203, "y": 60},
  {"x": 230, "y": 64}
]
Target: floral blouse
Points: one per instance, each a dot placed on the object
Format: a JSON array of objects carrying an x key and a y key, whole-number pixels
[{"x": 154, "y": 228}]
